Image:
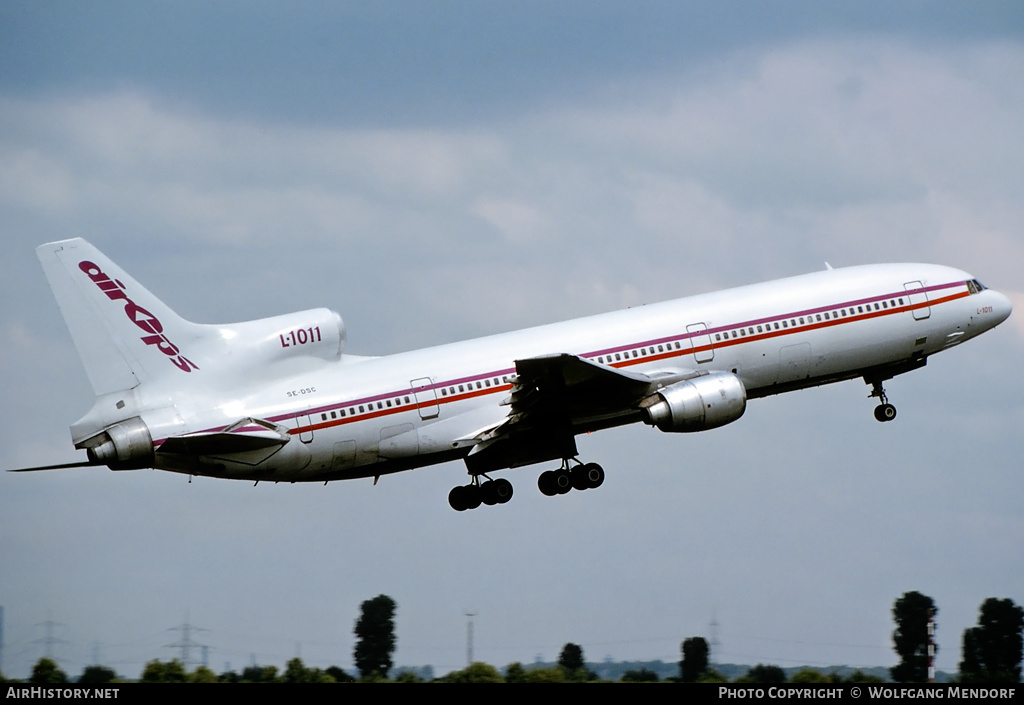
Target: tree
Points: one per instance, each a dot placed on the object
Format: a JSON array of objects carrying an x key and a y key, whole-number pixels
[
  {"x": 475, "y": 673},
  {"x": 641, "y": 675},
  {"x": 993, "y": 650},
  {"x": 259, "y": 674},
  {"x": 202, "y": 674},
  {"x": 515, "y": 673},
  {"x": 375, "y": 636},
  {"x": 338, "y": 674},
  {"x": 571, "y": 658},
  {"x": 46, "y": 671},
  {"x": 156, "y": 671},
  {"x": 97, "y": 674},
  {"x": 763, "y": 674},
  {"x": 695, "y": 659},
  {"x": 912, "y": 612}
]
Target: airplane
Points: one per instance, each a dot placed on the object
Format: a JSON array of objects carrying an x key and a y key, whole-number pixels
[{"x": 278, "y": 399}]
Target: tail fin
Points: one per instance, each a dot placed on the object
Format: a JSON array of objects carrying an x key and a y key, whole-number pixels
[{"x": 124, "y": 335}]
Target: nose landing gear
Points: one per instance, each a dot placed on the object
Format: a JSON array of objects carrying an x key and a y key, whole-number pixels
[{"x": 884, "y": 411}]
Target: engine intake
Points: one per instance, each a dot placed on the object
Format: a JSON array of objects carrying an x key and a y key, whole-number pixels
[{"x": 697, "y": 404}]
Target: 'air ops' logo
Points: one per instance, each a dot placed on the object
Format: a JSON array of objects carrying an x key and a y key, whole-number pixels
[{"x": 139, "y": 316}]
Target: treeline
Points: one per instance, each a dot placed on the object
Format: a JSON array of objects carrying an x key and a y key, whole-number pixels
[
  {"x": 992, "y": 653},
  {"x": 47, "y": 672}
]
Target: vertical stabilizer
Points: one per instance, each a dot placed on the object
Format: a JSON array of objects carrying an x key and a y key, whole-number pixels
[{"x": 124, "y": 335}]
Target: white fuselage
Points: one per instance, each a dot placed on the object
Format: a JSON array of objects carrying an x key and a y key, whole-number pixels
[{"x": 360, "y": 417}]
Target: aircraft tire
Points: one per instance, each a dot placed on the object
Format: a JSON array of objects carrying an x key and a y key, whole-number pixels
[
  {"x": 488, "y": 493},
  {"x": 885, "y": 412},
  {"x": 472, "y": 495},
  {"x": 456, "y": 499},
  {"x": 546, "y": 483},
  {"x": 502, "y": 490},
  {"x": 563, "y": 481},
  {"x": 594, "y": 475},
  {"x": 579, "y": 477}
]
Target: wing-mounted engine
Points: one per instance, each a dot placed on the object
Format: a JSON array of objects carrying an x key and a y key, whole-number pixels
[
  {"x": 698, "y": 404},
  {"x": 317, "y": 332}
]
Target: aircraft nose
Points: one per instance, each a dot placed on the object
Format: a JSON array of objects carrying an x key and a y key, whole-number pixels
[{"x": 1001, "y": 307}]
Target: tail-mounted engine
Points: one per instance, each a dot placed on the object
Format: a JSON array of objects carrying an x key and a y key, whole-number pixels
[
  {"x": 318, "y": 333},
  {"x": 697, "y": 404},
  {"x": 127, "y": 445}
]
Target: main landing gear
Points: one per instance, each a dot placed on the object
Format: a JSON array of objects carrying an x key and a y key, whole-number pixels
[
  {"x": 582, "y": 477},
  {"x": 884, "y": 411},
  {"x": 474, "y": 494}
]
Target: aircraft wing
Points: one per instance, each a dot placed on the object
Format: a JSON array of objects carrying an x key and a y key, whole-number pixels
[{"x": 553, "y": 398}]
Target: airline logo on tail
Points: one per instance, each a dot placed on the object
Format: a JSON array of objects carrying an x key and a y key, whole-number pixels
[{"x": 139, "y": 316}]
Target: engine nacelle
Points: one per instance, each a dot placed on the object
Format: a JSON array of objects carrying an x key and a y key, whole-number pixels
[
  {"x": 697, "y": 404},
  {"x": 318, "y": 332},
  {"x": 127, "y": 445}
]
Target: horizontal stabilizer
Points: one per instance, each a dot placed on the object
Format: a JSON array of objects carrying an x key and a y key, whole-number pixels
[{"x": 64, "y": 466}]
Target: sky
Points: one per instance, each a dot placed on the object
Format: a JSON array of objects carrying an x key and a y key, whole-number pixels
[{"x": 438, "y": 171}]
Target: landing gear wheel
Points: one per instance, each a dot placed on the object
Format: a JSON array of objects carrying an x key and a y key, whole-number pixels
[
  {"x": 502, "y": 490},
  {"x": 885, "y": 412},
  {"x": 579, "y": 477},
  {"x": 456, "y": 498},
  {"x": 487, "y": 493},
  {"x": 562, "y": 481},
  {"x": 471, "y": 496},
  {"x": 546, "y": 483},
  {"x": 594, "y": 474}
]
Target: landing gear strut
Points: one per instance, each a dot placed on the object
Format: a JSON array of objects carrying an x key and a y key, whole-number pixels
[
  {"x": 474, "y": 494},
  {"x": 581, "y": 477},
  {"x": 884, "y": 411}
]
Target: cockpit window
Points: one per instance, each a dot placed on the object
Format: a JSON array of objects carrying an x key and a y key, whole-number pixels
[{"x": 974, "y": 286}]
